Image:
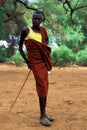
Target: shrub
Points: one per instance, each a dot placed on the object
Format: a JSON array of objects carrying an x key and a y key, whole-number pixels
[
  {"x": 54, "y": 55},
  {"x": 3, "y": 54},
  {"x": 74, "y": 38},
  {"x": 81, "y": 57},
  {"x": 17, "y": 58},
  {"x": 62, "y": 56}
]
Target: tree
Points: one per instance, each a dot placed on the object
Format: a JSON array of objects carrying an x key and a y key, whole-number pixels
[
  {"x": 2, "y": 26},
  {"x": 60, "y": 15},
  {"x": 73, "y": 6}
]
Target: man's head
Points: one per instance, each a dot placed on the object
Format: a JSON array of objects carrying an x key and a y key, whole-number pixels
[{"x": 37, "y": 18}]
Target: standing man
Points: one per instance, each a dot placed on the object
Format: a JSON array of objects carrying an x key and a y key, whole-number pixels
[{"x": 38, "y": 60}]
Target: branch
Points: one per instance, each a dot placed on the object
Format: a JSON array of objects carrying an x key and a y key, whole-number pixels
[
  {"x": 11, "y": 17},
  {"x": 15, "y": 14},
  {"x": 2, "y": 2},
  {"x": 80, "y": 7},
  {"x": 25, "y": 4},
  {"x": 76, "y": 3},
  {"x": 72, "y": 10}
]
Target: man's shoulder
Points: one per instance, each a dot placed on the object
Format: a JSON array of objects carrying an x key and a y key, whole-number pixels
[
  {"x": 25, "y": 28},
  {"x": 43, "y": 29}
]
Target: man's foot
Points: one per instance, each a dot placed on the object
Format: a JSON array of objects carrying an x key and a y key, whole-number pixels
[
  {"x": 44, "y": 121},
  {"x": 50, "y": 118}
]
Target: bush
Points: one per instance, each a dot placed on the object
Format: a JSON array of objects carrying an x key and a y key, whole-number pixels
[
  {"x": 54, "y": 55},
  {"x": 74, "y": 38},
  {"x": 81, "y": 57},
  {"x": 17, "y": 58},
  {"x": 62, "y": 56},
  {"x": 3, "y": 54}
]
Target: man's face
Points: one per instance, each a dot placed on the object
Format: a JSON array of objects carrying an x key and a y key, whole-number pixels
[{"x": 37, "y": 19}]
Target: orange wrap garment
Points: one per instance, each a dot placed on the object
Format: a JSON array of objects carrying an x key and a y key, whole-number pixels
[{"x": 40, "y": 62}]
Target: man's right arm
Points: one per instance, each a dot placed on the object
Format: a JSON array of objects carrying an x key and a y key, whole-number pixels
[{"x": 24, "y": 33}]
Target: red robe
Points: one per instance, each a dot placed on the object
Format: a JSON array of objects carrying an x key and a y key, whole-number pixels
[{"x": 40, "y": 62}]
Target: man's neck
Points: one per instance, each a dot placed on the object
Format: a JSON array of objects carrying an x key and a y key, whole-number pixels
[{"x": 35, "y": 28}]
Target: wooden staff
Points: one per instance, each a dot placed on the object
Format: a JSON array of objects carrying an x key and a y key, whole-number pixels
[{"x": 17, "y": 95}]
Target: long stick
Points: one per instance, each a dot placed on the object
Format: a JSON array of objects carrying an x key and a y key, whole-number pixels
[{"x": 18, "y": 95}]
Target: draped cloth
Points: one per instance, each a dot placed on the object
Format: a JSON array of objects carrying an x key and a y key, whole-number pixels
[{"x": 40, "y": 62}]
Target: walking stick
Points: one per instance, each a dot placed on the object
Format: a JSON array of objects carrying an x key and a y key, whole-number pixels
[{"x": 18, "y": 95}]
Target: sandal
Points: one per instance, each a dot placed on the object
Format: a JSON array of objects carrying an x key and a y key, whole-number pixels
[
  {"x": 44, "y": 121},
  {"x": 50, "y": 118}
]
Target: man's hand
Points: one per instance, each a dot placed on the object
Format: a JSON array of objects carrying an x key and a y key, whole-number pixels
[{"x": 28, "y": 65}]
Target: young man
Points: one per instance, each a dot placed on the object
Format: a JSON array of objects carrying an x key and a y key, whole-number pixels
[{"x": 38, "y": 60}]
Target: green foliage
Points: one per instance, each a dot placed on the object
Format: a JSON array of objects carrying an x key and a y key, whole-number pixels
[
  {"x": 58, "y": 24},
  {"x": 17, "y": 58},
  {"x": 62, "y": 56},
  {"x": 3, "y": 54},
  {"x": 54, "y": 55},
  {"x": 13, "y": 26},
  {"x": 2, "y": 24},
  {"x": 74, "y": 38},
  {"x": 5, "y": 58},
  {"x": 81, "y": 57}
]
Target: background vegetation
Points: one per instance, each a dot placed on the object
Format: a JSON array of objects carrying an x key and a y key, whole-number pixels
[{"x": 65, "y": 21}]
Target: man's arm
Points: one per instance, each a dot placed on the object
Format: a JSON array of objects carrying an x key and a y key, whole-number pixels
[{"x": 24, "y": 33}]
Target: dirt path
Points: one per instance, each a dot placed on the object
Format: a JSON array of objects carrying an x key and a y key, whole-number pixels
[{"x": 67, "y": 99}]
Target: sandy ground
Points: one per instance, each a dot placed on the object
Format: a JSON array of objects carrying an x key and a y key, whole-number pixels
[{"x": 67, "y": 99}]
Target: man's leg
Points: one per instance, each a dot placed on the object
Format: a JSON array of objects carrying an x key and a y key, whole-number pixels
[{"x": 43, "y": 119}]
